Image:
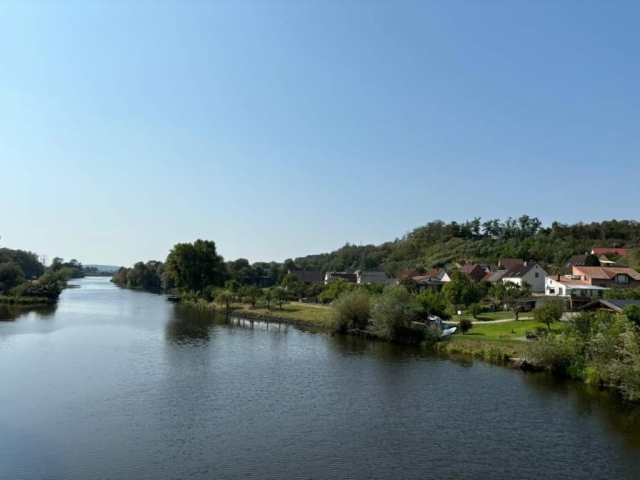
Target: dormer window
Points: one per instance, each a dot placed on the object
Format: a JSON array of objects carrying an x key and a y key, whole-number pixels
[{"x": 621, "y": 278}]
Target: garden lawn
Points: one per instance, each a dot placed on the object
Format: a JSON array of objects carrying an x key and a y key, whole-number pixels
[{"x": 316, "y": 313}]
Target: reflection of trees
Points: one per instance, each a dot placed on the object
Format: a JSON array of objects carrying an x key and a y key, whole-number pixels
[
  {"x": 190, "y": 326},
  {"x": 621, "y": 418},
  {"x": 14, "y": 312}
]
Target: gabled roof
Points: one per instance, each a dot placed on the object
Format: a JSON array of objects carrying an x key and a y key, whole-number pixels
[
  {"x": 408, "y": 273},
  {"x": 308, "y": 276},
  {"x": 604, "y": 250},
  {"x": 613, "y": 304},
  {"x": 520, "y": 271},
  {"x": 470, "y": 267},
  {"x": 576, "y": 260},
  {"x": 493, "y": 277},
  {"x": 509, "y": 263},
  {"x": 606, "y": 273}
]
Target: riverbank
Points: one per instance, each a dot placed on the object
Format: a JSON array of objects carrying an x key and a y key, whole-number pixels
[{"x": 12, "y": 300}]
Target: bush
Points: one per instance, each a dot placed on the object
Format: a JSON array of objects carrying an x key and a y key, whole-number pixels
[
  {"x": 351, "y": 311},
  {"x": 392, "y": 315},
  {"x": 475, "y": 310},
  {"x": 553, "y": 354},
  {"x": 465, "y": 325}
]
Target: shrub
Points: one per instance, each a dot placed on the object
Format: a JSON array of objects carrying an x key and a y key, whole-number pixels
[
  {"x": 553, "y": 354},
  {"x": 475, "y": 309},
  {"x": 351, "y": 311},
  {"x": 465, "y": 325},
  {"x": 392, "y": 315}
]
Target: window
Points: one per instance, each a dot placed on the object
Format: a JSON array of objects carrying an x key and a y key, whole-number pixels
[
  {"x": 552, "y": 291},
  {"x": 537, "y": 274},
  {"x": 560, "y": 291},
  {"x": 622, "y": 278}
]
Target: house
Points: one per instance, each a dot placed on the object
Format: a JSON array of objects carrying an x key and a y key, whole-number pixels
[
  {"x": 474, "y": 270},
  {"x": 494, "y": 277},
  {"x": 438, "y": 274},
  {"x": 509, "y": 263},
  {"x": 608, "y": 250},
  {"x": 308, "y": 277},
  {"x": 575, "y": 261},
  {"x": 610, "y": 277},
  {"x": 331, "y": 277},
  {"x": 611, "y": 305},
  {"x": 529, "y": 272},
  {"x": 578, "y": 292},
  {"x": 407, "y": 273},
  {"x": 365, "y": 277}
]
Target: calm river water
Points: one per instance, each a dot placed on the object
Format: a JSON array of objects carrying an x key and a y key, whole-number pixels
[{"x": 117, "y": 384}]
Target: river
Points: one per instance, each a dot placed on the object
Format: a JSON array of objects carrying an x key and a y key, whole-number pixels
[{"x": 119, "y": 384}]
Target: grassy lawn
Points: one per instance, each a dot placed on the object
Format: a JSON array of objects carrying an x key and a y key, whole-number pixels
[
  {"x": 499, "y": 315},
  {"x": 313, "y": 313},
  {"x": 505, "y": 331}
]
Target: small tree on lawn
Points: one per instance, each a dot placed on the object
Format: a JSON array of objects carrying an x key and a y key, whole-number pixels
[
  {"x": 550, "y": 312},
  {"x": 251, "y": 294},
  {"x": 461, "y": 290},
  {"x": 267, "y": 295},
  {"x": 514, "y": 296},
  {"x": 280, "y": 296},
  {"x": 225, "y": 297}
]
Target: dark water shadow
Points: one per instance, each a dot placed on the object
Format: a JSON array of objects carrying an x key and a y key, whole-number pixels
[
  {"x": 192, "y": 327},
  {"x": 618, "y": 416},
  {"x": 10, "y": 313}
]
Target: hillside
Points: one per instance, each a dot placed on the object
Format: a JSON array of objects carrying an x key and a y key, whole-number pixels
[{"x": 438, "y": 244}]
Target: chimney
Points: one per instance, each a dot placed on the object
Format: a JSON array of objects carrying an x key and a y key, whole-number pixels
[{"x": 558, "y": 277}]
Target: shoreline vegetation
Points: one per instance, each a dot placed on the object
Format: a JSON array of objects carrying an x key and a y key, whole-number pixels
[{"x": 598, "y": 348}]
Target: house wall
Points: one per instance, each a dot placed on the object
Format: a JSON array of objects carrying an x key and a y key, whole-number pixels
[
  {"x": 537, "y": 282},
  {"x": 611, "y": 283}
]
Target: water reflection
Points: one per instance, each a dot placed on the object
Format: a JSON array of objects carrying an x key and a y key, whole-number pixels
[
  {"x": 589, "y": 400},
  {"x": 9, "y": 313},
  {"x": 190, "y": 326}
]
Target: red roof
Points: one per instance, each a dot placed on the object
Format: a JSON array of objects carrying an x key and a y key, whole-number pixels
[{"x": 604, "y": 250}]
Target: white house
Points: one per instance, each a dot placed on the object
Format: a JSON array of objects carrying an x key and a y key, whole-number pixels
[
  {"x": 579, "y": 292},
  {"x": 529, "y": 272}
]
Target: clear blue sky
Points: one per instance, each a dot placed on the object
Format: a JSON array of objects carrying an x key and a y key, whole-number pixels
[{"x": 280, "y": 129}]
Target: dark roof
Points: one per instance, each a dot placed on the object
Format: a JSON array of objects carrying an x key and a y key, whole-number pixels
[
  {"x": 509, "y": 263},
  {"x": 577, "y": 260},
  {"x": 308, "y": 276},
  {"x": 470, "y": 267},
  {"x": 519, "y": 270},
  {"x": 349, "y": 277},
  {"x": 612, "y": 304}
]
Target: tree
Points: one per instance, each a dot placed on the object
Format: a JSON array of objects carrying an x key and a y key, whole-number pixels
[
  {"x": 351, "y": 311},
  {"x": 11, "y": 275},
  {"x": 224, "y": 297},
  {"x": 632, "y": 312},
  {"x": 431, "y": 302},
  {"x": 392, "y": 315},
  {"x": 193, "y": 266},
  {"x": 513, "y": 295},
  {"x": 592, "y": 261},
  {"x": 280, "y": 296},
  {"x": 252, "y": 294},
  {"x": 550, "y": 312},
  {"x": 267, "y": 294},
  {"x": 461, "y": 290},
  {"x": 475, "y": 309}
]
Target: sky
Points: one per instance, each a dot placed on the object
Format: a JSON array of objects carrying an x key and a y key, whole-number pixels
[{"x": 285, "y": 128}]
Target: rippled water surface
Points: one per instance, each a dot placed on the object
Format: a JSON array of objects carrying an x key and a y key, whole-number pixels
[{"x": 116, "y": 384}]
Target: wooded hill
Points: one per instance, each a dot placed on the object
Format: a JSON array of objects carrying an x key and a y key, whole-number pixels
[{"x": 440, "y": 244}]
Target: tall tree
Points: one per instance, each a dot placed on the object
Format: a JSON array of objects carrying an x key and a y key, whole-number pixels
[
  {"x": 461, "y": 290},
  {"x": 193, "y": 266},
  {"x": 513, "y": 295}
]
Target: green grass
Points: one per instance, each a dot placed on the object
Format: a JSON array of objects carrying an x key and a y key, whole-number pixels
[
  {"x": 505, "y": 331},
  {"x": 316, "y": 313},
  {"x": 487, "y": 316}
]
